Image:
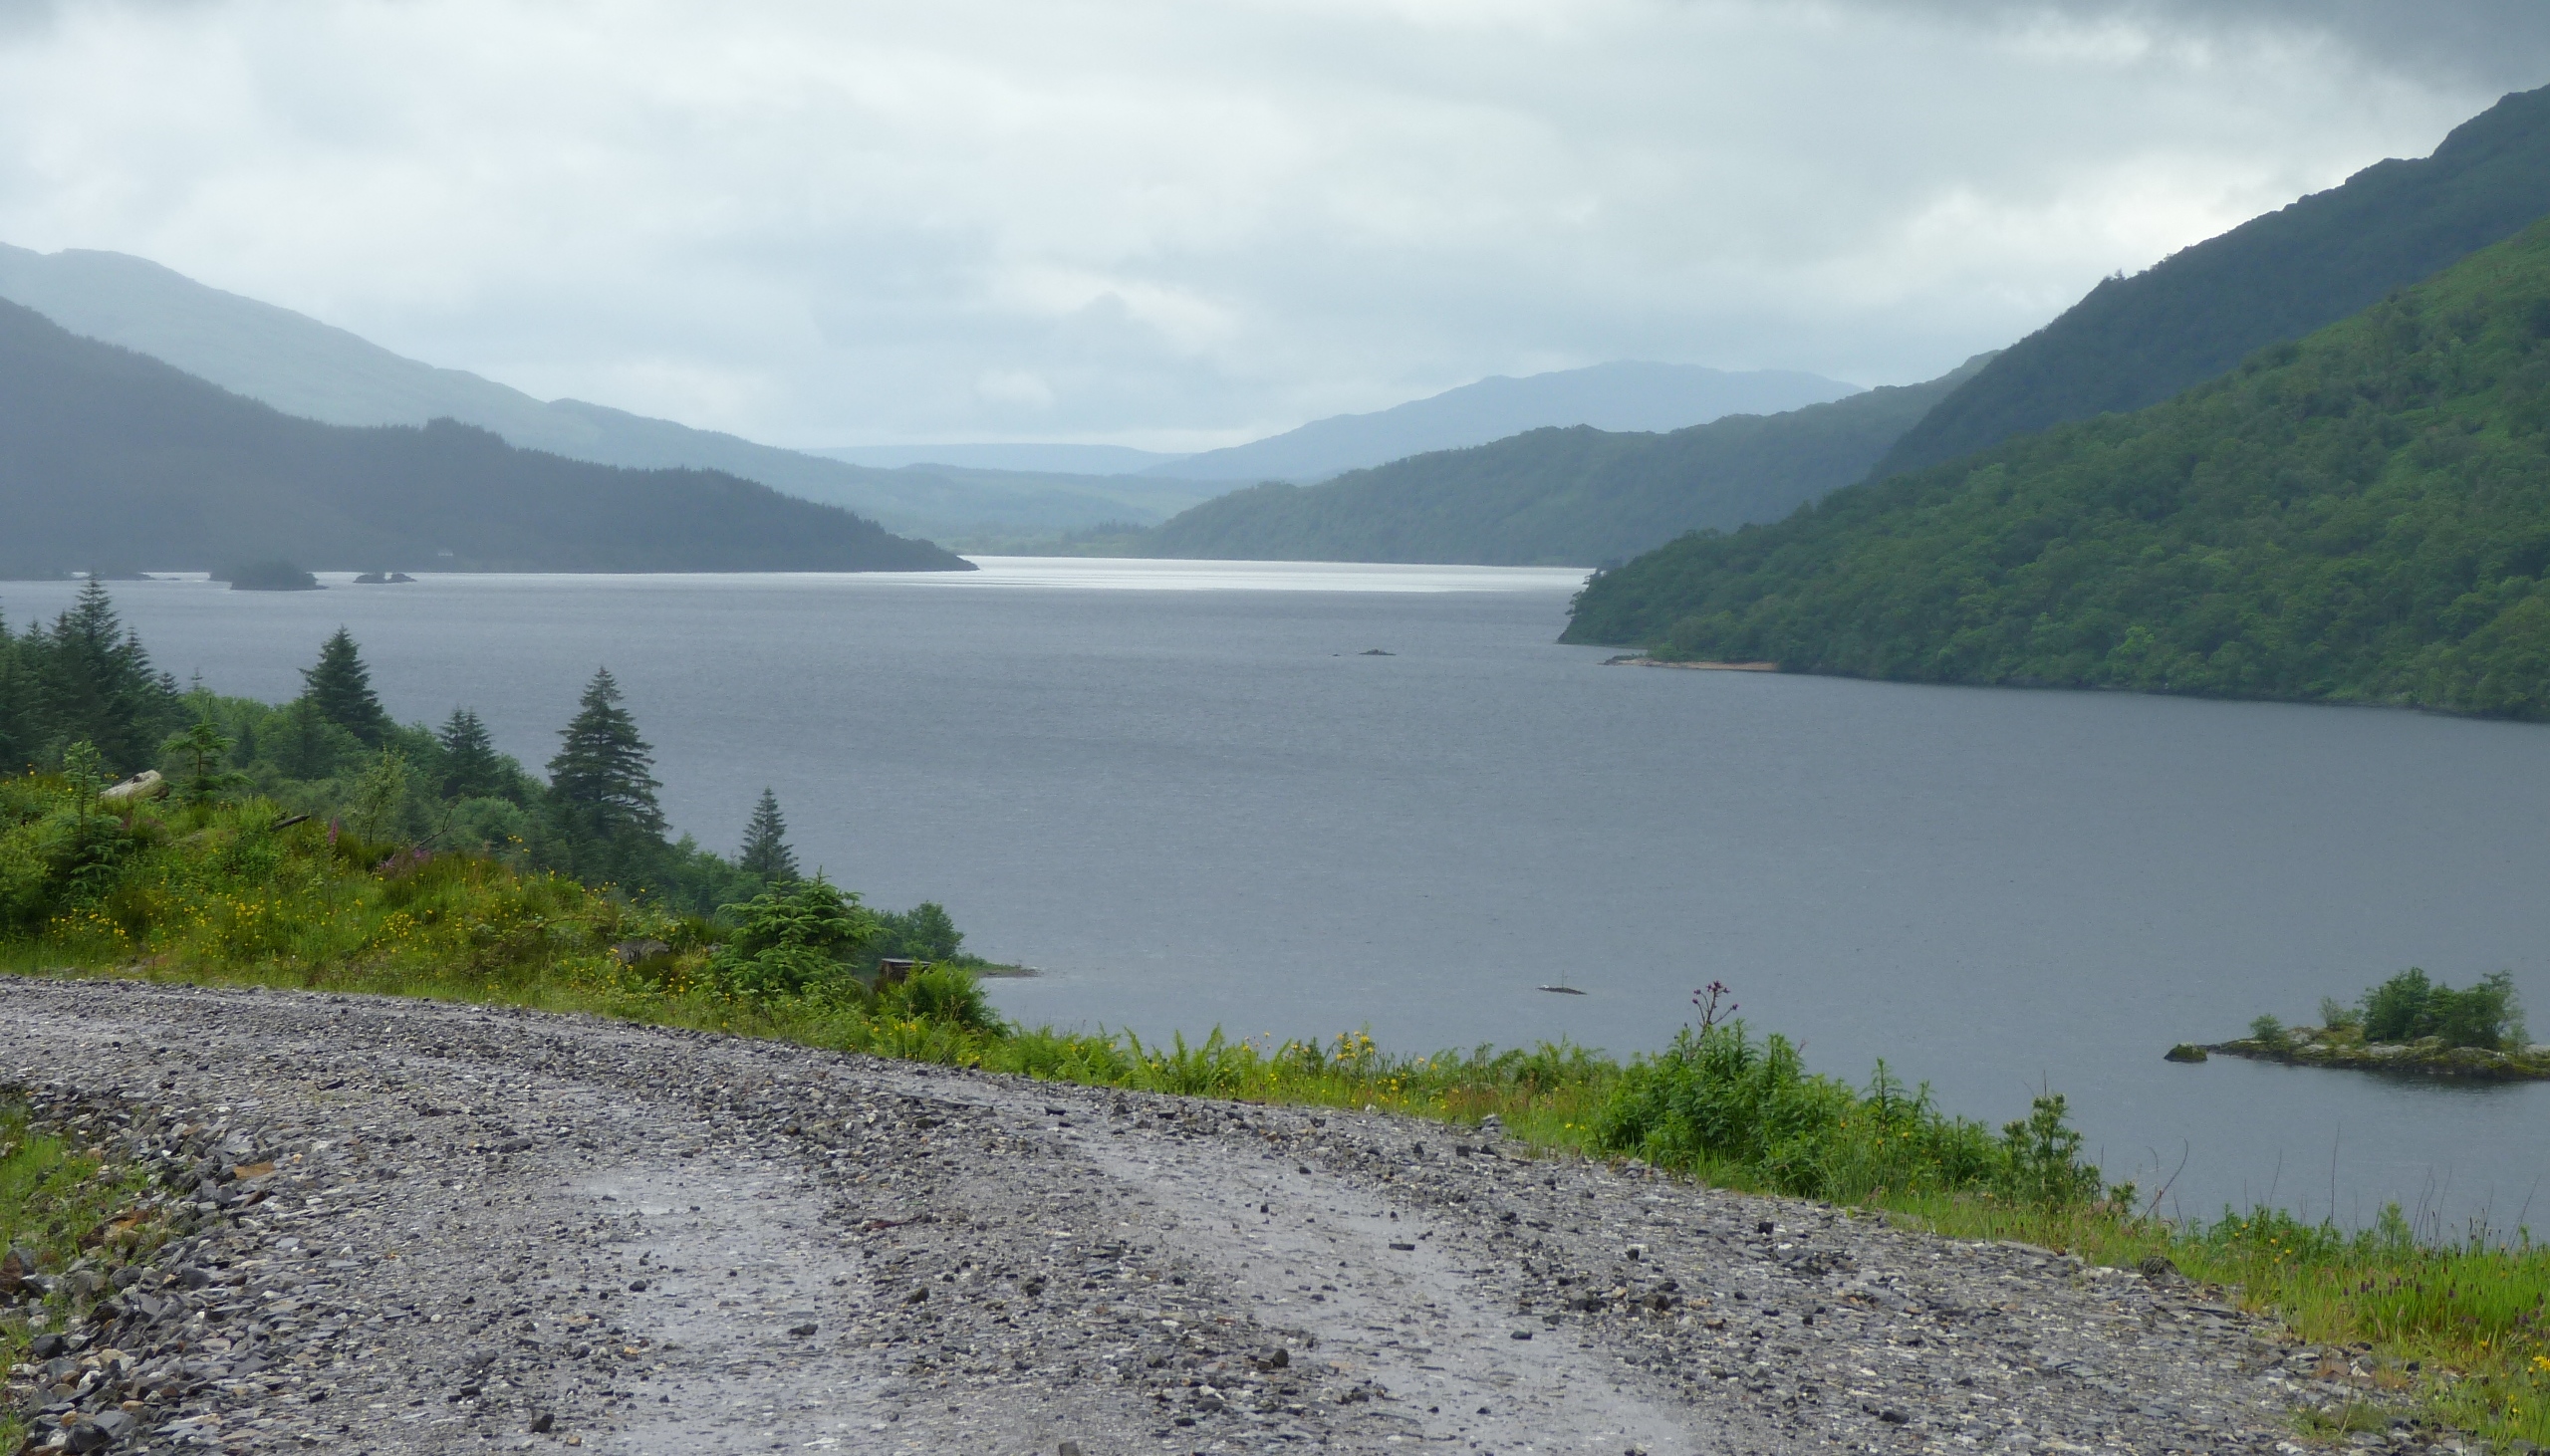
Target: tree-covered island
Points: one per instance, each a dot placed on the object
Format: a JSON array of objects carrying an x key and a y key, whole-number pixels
[{"x": 2409, "y": 1025}]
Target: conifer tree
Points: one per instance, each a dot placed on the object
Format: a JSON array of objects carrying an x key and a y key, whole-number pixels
[
  {"x": 92, "y": 682},
  {"x": 16, "y": 708},
  {"x": 471, "y": 768},
  {"x": 602, "y": 776},
  {"x": 340, "y": 687},
  {"x": 304, "y": 744},
  {"x": 766, "y": 851},
  {"x": 201, "y": 757}
]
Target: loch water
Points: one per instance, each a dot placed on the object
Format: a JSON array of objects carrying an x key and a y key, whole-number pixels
[{"x": 1189, "y": 794}]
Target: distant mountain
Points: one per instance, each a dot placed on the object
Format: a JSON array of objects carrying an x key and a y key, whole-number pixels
[
  {"x": 1611, "y": 396},
  {"x": 2363, "y": 516},
  {"x": 305, "y": 367},
  {"x": 1034, "y": 459},
  {"x": 1559, "y": 497},
  {"x": 2137, "y": 341},
  {"x": 113, "y": 461}
]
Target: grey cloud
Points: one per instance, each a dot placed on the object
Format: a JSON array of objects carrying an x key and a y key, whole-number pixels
[
  {"x": 33, "y": 17},
  {"x": 2503, "y": 44},
  {"x": 1163, "y": 224}
]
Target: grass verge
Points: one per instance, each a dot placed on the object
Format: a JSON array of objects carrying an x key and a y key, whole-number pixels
[{"x": 58, "y": 1207}]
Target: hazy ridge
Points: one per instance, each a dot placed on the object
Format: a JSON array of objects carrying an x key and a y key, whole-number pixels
[
  {"x": 317, "y": 371},
  {"x": 1625, "y": 395},
  {"x": 118, "y": 461}
]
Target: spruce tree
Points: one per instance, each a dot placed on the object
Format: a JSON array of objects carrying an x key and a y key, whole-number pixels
[
  {"x": 766, "y": 851},
  {"x": 92, "y": 682},
  {"x": 340, "y": 687},
  {"x": 602, "y": 774},
  {"x": 201, "y": 758},
  {"x": 16, "y": 708},
  {"x": 471, "y": 768},
  {"x": 304, "y": 745}
]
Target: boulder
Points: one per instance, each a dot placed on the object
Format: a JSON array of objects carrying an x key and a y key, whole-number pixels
[{"x": 144, "y": 785}]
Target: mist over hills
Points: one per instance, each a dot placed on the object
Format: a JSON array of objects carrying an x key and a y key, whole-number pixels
[
  {"x": 975, "y": 494},
  {"x": 313, "y": 371},
  {"x": 2135, "y": 341},
  {"x": 1560, "y": 497},
  {"x": 2363, "y": 516},
  {"x": 1608, "y": 397},
  {"x": 1042, "y": 459},
  {"x": 116, "y": 460}
]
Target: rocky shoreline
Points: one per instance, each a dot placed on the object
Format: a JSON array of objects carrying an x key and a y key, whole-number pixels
[
  {"x": 2430, "y": 1056},
  {"x": 1641, "y": 660},
  {"x": 485, "y": 1229}
]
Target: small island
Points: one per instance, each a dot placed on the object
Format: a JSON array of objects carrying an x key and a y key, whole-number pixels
[
  {"x": 382, "y": 579},
  {"x": 2406, "y": 1025},
  {"x": 268, "y": 576}
]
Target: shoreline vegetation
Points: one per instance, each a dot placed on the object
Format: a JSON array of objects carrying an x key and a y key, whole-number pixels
[{"x": 454, "y": 873}]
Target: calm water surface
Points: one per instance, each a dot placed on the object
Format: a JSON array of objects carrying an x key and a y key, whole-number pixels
[{"x": 1181, "y": 789}]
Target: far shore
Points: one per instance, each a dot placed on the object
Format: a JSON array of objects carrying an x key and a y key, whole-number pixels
[{"x": 1638, "y": 660}]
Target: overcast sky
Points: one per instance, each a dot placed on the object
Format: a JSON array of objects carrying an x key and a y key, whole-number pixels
[{"x": 1174, "y": 223}]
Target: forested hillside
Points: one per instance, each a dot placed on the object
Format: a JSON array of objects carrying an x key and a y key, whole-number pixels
[
  {"x": 2138, "y": 341},
  {"x": 1558, "y": 497},
  {"x": 113, "y": 461},
  {"x": 2363, "y": 516}
]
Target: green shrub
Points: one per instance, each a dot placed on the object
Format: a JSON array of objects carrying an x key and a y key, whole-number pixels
[
  {"x": 797, "y": 939},
  {"x": 947, "y": 995},
  {"x": 2267, "y": 1031},
  {"x": 2483, "y": 1015},
  {"x": 489, "y": 825},
  {"x": 2409, "y": 1006},
  {"x": 1737, "y": 1111},
  {"x": 2396, "y": 1010},
  {"x": 922, "y": 934}
]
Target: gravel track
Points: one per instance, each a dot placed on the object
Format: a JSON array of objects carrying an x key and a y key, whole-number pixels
[{"x": 493, "y": 1228}]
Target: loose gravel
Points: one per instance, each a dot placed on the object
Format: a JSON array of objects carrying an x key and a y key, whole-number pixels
[{"x": 427, "y": 1227}]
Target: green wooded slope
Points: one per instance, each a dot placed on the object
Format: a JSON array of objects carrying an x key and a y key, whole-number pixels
[
  {"x": 2360, "y": 517},
  {"x": 2135, "y": 341},
  {"x": 1558, "y": 497}
]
